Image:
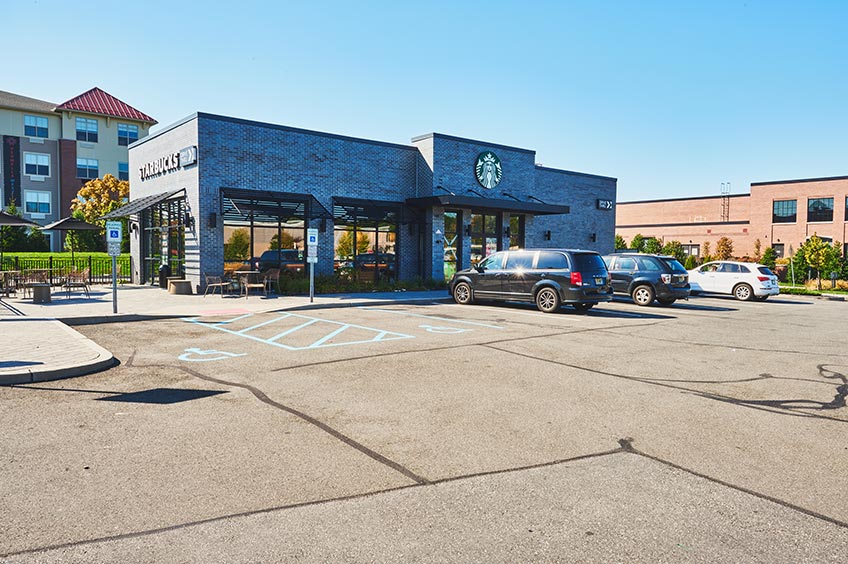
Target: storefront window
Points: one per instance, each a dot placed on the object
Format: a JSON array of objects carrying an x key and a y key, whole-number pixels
[
  {"x": 516, "y": 232},
  {"x": 451, "y": 243},
  {"x": 366, "y": 250}
]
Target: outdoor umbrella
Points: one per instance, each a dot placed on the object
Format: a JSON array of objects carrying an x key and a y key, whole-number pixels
[
  {"x": 71, "y": 223},
  {"x": 9, "y": 220}
]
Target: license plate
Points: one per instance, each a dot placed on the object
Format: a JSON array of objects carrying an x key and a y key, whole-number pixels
[{"x": 599, "y": 281}]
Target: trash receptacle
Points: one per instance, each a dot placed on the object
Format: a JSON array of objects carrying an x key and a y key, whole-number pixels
[{"x": 164, "y": 272}]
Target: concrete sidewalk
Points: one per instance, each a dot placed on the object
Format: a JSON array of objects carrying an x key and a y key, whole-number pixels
[{"x": 39, "y": 345}]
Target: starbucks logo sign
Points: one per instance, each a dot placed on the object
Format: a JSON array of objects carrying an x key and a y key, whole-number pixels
[{"x": 488, "y": 170}]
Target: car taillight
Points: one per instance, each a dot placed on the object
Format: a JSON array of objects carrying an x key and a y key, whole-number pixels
[
  {"x": 763, "y": 278},
  {"x": 576, "y": 279},
  {"x": 666, "y": 278}
]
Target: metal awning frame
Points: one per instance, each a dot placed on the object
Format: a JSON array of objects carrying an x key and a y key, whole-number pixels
[{"x": 488, "y": 204}]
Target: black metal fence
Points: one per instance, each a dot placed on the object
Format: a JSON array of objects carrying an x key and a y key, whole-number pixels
[{"x": 99, "y": 268}]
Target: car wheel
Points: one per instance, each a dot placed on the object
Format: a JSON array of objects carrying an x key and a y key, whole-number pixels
[
  {"x": 462, "y": 293},
  {"x": 643, "y": 295},
  {"x": 666, "y": 301},
  {"x": 761, "y": 298},
  {"x": 547, "y": 300},
  {"x": 743, "y": 292},
  {"x": 582, "y": 308}
]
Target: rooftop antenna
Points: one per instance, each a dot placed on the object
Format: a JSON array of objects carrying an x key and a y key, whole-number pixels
[{"x": 725, "y": 201}]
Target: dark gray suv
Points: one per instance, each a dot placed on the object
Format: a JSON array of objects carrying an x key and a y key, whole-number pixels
[
  {"x": 546, "y": 277},
  {"x": 647, "y": 277}
]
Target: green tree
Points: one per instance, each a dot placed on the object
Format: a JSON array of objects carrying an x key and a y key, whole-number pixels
[
  {"x": 237, "y": 246},
  {"x": 769, "y": 258},
  {"x": 707, "y": 256},
  {"x": 690, "y": 262},
  {"x": 637, "y": 242},
  {"x": 619, "y": 243},
  {"x": 652, "y": 245},
  {"x": 13, "y": 238},
  {"x": 675, "y": 249},
  {"x": 344, "y": 248},
  {"x": 758, "y": 248},
  {"x": 817, "y": 255},
  {"x": 287, "y": 241},
  {"x": 724, "y": 249}
]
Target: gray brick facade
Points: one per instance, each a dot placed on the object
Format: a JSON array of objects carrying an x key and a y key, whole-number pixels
[{"x": 246, "y": 155}]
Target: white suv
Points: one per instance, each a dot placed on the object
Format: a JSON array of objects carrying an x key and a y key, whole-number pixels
[{"x": 743, "y": 280}]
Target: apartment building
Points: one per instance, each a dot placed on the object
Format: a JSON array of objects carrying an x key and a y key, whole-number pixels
[{"x": 50, "y": 150}]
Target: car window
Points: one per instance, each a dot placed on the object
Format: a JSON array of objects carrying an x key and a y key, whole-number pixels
[
  {"x": 646, "y": 263},
  {"x": 588, "y": 262},
  {"x": 729, "y": 268},
  {"x": 549, "y": 260},
  {"x": 709, "y": 267},
  {"x": 744, "y": 269},
  {"x": 608, "y": 262},
  {"x": 493, "y": 262},
  {"x": 626, "y": 263},
  {"x": 674, "y": 265},
  {"x": 520, "y": 261},
  {"x": 765, "y": 270}
]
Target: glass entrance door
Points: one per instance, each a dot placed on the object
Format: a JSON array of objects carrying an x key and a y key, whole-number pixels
[{"x": 484, "y": 236}]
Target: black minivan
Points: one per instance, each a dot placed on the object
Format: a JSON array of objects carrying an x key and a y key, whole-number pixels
[{"x": 546, "y": 277}]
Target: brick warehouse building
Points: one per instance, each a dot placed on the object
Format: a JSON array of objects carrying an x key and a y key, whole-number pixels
[
  {"x": 51, "y": 150},
  {"x": 781, "y": 214},
  {"x": 382, "y": 209}
]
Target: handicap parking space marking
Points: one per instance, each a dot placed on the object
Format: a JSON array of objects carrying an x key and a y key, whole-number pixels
[
  {"x": 219, "y": 355},
  {"x": 337, "y": 329},
  {"x": 445, "y": 319}
]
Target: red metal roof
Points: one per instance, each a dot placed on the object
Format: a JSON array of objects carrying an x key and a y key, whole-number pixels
[{"x": 96, "y": 101}]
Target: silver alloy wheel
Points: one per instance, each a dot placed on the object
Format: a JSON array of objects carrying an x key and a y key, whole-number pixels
[
  {"x": 743, "y": 292},
  {"x": 547, "y": 300},
  {"x": 462, "y": 293},
  {"x": 643, "y": 295}
]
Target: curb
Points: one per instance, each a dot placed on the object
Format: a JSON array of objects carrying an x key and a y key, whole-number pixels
[{"x": 104, "y": 360}]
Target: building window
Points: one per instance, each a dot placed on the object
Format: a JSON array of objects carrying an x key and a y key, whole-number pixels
[
  {"x": 452, "y": 242},
  {"x": 819, "y": 209},
  {"x": 692, "y": 250},
  {"x": 127, "y": 134},
  {"x": 123, "y": 171},
  {"x": 784, "y": 211},
  {"x": 778, "y": 249},
  {"x": 35, "y": 126},
  {"x": 516, "y": 231},
  {"x": 37, "y": 202},
  {"x": 485, "y": 239},
  {"x": 88, "y": 168},
  {"x": 87, "y": 130},
  {"x": 36, "y": 164}
]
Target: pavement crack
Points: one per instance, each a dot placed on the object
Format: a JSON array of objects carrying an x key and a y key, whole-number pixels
[
  {"x": 261, "y": 396},
  {"x": 627, "y": 445}
]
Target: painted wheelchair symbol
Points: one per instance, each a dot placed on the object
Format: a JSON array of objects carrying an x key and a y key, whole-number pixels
[
  {"x": 220, "y": 355},
  {"x": 443, "y": 330}
]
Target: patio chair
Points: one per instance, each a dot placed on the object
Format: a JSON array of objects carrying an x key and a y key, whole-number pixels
[
  {"x": 272, "y": 281},
  {"x": 77, "y": 279},
  {"x": 248, "y": 281},
  {"x": 216, "y": 283}
]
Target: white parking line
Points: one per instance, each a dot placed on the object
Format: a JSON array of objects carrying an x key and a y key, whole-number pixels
[{"x": 447, "y": 320}]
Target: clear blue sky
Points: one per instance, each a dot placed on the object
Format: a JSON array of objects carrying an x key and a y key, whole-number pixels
[{"x": 672, "y": 98}]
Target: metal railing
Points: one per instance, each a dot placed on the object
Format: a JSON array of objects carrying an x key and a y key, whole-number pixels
[{"x": 99, "y": 268}]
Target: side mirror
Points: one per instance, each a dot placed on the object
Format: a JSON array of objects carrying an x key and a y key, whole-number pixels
[{"x": 480, "y": 268}]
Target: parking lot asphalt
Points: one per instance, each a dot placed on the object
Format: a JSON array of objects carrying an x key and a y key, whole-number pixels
[{"x": 712, "y": 430}]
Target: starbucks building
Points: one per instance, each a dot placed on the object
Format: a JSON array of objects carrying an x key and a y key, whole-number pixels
[{"x": 209, "y": 193}]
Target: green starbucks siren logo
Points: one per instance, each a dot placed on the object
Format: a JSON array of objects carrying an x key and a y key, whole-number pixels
[{"x": 488, "y": 169}]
